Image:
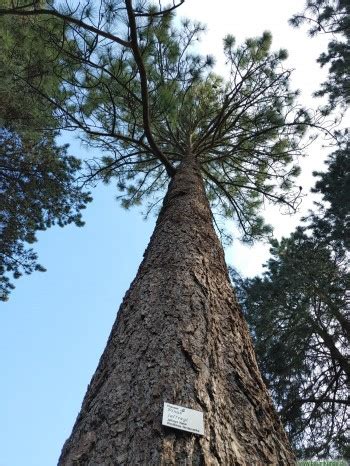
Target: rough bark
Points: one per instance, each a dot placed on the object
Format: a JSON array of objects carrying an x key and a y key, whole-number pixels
[{"x": 179, "y": 337}]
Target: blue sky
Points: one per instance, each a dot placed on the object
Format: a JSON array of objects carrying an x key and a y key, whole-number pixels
[{"x": 56, "y": 324}]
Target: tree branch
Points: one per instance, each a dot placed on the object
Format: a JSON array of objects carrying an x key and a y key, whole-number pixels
[
  {"x": 144, "y": 90},
  {"x": 67, "y": 19}
]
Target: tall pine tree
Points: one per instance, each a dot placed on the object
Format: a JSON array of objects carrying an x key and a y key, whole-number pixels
[{"x": 137, "y": 91}]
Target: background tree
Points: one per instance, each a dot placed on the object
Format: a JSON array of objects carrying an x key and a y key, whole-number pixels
[
  {"x": 38, "y": 189},
  {"x": 331, "y": 17},
  {"x": 38, "y": 185},
  {"x": 134, "y": 88},
  {"x": 299, "y": 316},
  {"x": 300, "y": 306}
]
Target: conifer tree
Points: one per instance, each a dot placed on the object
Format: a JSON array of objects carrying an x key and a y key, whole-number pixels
[
  {"x": 299, "y": 315},
  {"x": 38, "y": 186},
  {"x": 136, "y": 89},
  {"x": 300, "y": 307}
]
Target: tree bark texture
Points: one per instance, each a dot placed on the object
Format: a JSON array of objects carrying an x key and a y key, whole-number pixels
[{"x": 179, "y": 337}]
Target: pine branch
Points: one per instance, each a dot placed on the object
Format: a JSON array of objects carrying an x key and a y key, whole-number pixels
[
  {"x": 144, "y": 90},
  {"x": 19, "y": 11}
]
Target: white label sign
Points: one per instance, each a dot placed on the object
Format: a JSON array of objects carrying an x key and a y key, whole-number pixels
[{"x": 182, "y": 418}]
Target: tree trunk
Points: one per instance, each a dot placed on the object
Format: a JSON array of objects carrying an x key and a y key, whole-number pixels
[{"x": 179, "y": 337}]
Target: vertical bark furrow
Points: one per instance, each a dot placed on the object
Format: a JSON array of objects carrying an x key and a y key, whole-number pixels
[{"x": 179, "y": 337}]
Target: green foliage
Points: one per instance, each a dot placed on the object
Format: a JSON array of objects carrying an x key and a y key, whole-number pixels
[
  {"x": 147, "y": 100},
  {"x": 333, "y": 219},
  {"x": 26, "y": 62},
  {"x": 299, "y": 315},
  {"x": 38, "y": 190},
  {"x": 37, "y": 178},
  {"x": 331, "y": 16},
  {"x": 300, "y": 323}
]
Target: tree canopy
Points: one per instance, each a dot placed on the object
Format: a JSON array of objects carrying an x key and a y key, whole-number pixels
[
  {"x": 134, "y": 86},
  {"x": 38, "y": 178}
]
